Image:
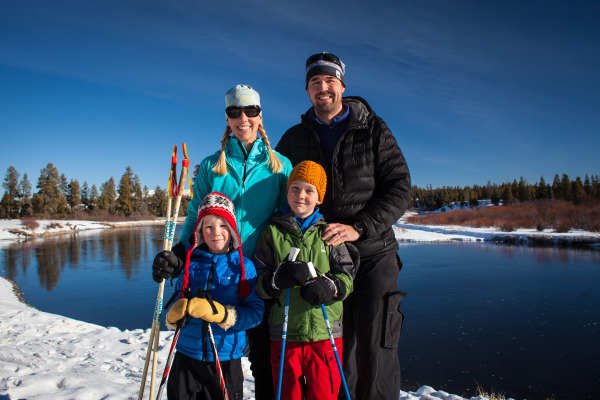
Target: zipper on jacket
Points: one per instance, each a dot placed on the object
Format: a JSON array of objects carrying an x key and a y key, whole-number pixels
[{"x": 246, "y": 155}]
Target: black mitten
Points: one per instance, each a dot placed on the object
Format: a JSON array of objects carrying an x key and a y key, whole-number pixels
[
  {"x": 168, "y": 264},
  {"x": 267, "y": 285},
  {"x": 320, "y": 290},
  {"x": 290, "y": 273}
]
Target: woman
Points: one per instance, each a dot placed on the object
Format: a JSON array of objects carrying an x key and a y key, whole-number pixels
[
  {"x": 246, "y": 170},
  {"x": 254, "y": 177}
]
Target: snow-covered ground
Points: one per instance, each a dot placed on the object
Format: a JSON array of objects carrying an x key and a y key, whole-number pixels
[{"x": 47, "y": 356}]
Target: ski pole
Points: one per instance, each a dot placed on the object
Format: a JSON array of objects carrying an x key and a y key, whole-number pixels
[
  {"x": 294, "y": 251},
  {"x": 313, "y": 274},
  {"x": 158, "y": 306},
  {"x": 165, "y": 376},
  {"x": 170, "y": 224},
  {"x": 218, "y": 362},
  {"x": 179, "y": 191}
]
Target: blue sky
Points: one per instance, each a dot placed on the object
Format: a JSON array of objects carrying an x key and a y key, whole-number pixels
[{"x": 474, "y": 91}]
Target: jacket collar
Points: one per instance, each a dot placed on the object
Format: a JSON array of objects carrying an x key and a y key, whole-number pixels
[
  {"x": 284, "y": 217},
  {"x": 235, "y": 149}
]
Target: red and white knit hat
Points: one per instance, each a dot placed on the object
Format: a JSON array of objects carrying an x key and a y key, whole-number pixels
[{"x": 218, "y": 204}]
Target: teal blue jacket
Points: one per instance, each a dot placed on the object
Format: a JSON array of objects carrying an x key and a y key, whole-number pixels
[{"x": 255, "y": 190}]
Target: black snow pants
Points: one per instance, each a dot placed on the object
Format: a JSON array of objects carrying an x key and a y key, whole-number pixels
[
  {"x": 372, "y": 325},
  {"x": 191, "y": 379}
]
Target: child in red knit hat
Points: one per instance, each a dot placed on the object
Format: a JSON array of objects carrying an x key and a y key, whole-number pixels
[{"x": 216, "y": 286}]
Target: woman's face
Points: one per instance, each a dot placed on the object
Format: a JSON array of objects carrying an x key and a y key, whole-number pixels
[{"x": 245, "y": 128}]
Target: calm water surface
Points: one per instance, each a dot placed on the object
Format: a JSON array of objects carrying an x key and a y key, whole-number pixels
[{"x": 517, "y": 320}]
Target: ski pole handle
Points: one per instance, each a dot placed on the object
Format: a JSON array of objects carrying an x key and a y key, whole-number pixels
[
  {"x": 294, "y": 251},
  {"x": 311, "y": 269}
]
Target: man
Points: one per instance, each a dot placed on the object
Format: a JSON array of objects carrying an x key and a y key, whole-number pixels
[{"x": 368, "y": 190}]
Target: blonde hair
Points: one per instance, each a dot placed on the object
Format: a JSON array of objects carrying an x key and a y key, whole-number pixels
[{"x": 220, "y": 167}]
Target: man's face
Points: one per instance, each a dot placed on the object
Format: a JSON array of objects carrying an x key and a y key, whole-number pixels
[{"x": 325, "y": 92}]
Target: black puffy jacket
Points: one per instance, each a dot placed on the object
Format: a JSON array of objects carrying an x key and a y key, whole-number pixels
[{"x": 369, "y": 181}]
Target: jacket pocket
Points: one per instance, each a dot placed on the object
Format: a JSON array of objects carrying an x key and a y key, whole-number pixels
[{"x": 392, "y": 319}]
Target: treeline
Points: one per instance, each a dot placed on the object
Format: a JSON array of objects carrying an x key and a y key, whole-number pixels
[
  {"x": 562, "y": 188},
  {"x": 59, "y": 197}
]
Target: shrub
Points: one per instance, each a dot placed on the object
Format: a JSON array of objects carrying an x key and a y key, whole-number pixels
[
  {"x": 557, "y": 214},
  {"x": 30, "y": 223}
]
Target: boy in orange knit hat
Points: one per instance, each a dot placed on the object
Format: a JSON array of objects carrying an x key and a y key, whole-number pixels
[{"x": 308, "y": 351}]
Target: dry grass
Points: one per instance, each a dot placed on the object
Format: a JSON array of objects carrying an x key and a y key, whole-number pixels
[
  {"x": 557, "y": 215},
  {"x": 496, "y": 396},
  {"x": 490, "y": 396}
]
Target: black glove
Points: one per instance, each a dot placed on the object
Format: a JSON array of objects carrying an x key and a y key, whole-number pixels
[
  {"x": 290, "y": 273},
  {"x": 322, "y": 290},
  {"x": 168, "y": 264}
]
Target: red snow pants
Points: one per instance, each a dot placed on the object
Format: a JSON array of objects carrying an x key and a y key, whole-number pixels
[{"x": 310, "y": 371}]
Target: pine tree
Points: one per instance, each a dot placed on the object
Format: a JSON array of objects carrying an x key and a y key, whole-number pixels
[
  {"x": 85, "y": 196},
  {"x": 139, "y": 201},
  {"x": 495, "y": 196},
  {"x": 49, "y": 198},
  {"x": 542, "y": 189},
  {"x": 125, "y": 201},
  {"x": 64, "y": 185},
  {"x": 108, "y": 195},
  {"x": 25, "y": 194},
  {"x": 514, "y": 190},
  {"x": 523, "y": 192},
  {"x": 10, "y": 199},
  {"x": 507, "y": 195},
  {"x": 93, "y": 204},
  {"x": 74, "y": 194},
  {"x": 587, "y": 185},
  {"x": 157, "y": 204},
  {"x": 557, "y": 188},
  {"x": 577, "y": 190},
  {"x": 565, "y": 187}
]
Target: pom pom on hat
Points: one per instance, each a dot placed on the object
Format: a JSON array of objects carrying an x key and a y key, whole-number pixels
[
  {"x": 311, "y": 172},
  {"x": 218, "y": 204}
]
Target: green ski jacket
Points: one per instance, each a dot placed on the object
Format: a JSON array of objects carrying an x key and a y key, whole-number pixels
[{"x": 305, "y": 321}]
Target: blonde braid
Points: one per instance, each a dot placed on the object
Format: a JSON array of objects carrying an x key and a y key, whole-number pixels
[
  {"x": 220, "y": 167},
  {"x": 274, "y": 161}
]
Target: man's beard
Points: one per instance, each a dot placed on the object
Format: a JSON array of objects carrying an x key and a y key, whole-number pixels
[{"x": 326, "y": 108}]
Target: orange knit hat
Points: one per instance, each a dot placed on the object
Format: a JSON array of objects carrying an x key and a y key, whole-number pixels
[{"x": 311, "y": 172}]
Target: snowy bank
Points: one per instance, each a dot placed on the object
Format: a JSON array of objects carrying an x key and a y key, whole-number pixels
[
  {"x": 14, "y": 229},
  {"x": 406, "y": 232},
  {"x": 45, "y": 356}
]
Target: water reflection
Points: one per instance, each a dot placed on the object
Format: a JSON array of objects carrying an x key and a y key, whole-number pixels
[
  {"x": 543, "y": 254},
  {"x": 121, "y": 250}
]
